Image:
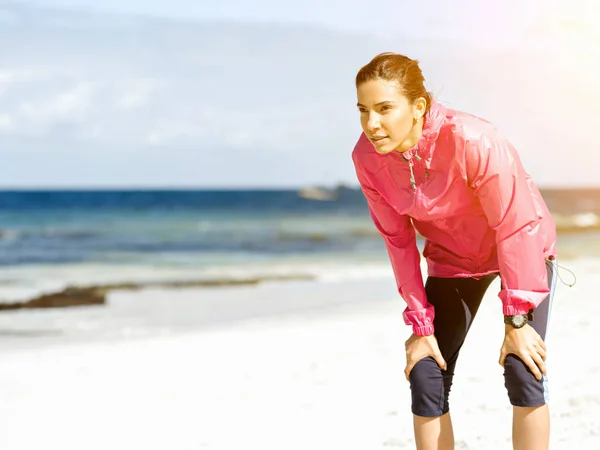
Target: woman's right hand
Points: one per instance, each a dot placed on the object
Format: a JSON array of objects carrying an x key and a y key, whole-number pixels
[{"x": 419, "y": 347}]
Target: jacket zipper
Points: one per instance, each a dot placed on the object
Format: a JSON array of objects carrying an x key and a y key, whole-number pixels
[
  {"x": 416, "y": 189},
  {"x": 413, "y": 183}
]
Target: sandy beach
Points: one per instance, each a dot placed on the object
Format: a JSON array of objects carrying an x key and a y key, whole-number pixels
[{"x": 294, "y": 365}]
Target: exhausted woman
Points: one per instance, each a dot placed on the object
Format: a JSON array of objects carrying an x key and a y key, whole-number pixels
[{"x": 455, "y": 179}]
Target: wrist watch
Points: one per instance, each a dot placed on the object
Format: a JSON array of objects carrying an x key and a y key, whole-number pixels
[{"x": 519, "y": 320}]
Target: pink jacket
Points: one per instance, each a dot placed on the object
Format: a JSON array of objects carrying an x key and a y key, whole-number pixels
[{"x": 464, "y": 189}]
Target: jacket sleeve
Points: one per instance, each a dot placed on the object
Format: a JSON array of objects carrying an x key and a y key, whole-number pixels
[
  {"x": 499, "y": 180},
  {"x": 400, "y": 240}
]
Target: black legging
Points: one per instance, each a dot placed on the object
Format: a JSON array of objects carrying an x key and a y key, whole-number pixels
[{"x": 456, "y": 301}]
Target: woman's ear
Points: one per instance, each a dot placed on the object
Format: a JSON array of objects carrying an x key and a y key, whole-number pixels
[{"x": 419, "y": 108}]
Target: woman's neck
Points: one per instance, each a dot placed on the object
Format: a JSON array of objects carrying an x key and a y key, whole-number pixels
[{"x": 413, "y": 137}]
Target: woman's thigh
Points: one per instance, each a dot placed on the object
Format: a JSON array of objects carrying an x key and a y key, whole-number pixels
[{"x": 456, "y": 302}]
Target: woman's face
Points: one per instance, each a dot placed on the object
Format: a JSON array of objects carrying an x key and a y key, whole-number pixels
[{"x": 386, "y": 116}]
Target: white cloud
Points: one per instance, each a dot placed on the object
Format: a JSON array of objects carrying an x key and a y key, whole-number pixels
[
  {"x": 26, "y": 74},
  {"x": 6, "y": 76},
  {"x": 6, "y": 122},
  {"x": 72, "y": 102},
  {"x": 167, "y": 132},
  {"x": 137, "y": 93},
  {"x": 76, "y": 100}
]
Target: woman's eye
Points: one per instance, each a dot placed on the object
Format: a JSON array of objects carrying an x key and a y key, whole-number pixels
[{"x": 385, "y": 108}]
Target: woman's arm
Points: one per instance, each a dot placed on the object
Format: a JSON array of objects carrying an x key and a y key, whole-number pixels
[
  {"x": 495, "y": 172},
  {"x": 400, "y": 240}
]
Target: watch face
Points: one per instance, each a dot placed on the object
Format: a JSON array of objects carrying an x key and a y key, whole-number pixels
[{"x": 518, "y": 321}]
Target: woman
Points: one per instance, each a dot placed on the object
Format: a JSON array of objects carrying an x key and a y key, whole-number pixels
[{"x": 456, "y": 180}]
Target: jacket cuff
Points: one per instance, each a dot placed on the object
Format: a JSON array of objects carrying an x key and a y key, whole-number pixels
[
  {"x": 420, "y": 319},
  {"x": 515, "y": 301},
  {"x": 424, "y": 330},
  {"x": 515, "y": 310}
]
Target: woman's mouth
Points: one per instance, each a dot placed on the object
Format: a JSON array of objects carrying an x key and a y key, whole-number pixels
[{"x": 378, "y": 139}]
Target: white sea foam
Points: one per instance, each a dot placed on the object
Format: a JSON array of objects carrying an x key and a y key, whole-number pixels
[{"x": 22, "y": 283}]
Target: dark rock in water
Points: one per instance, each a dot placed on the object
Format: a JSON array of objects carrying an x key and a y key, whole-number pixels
[
  {"x": 216, "y": 282},
  {"x": 96, "y": 295},
  {"x": 68, "y": 297}
]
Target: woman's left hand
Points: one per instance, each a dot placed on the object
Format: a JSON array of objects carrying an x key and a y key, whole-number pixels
[{"x": 528, "y": 345}]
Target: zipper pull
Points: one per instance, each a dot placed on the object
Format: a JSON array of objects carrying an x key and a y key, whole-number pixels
[{"x": 412, "y": 175}]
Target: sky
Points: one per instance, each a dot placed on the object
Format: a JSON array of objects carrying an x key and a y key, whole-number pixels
[
  {"x": 112, "y": 102},
  {"x": 490, "y": 22},
  {"x": 431, "y": 18}
]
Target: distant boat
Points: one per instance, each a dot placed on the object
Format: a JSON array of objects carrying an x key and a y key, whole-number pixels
[{"x": 318, "y": 193}]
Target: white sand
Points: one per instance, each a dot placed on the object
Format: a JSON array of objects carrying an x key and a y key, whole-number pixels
[{"x": 283, "y": 366}]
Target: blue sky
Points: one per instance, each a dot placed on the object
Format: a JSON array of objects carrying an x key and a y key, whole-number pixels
[
  {"x": 112, "y": 102},
  {"x": 461, "y": 18},
  {"x": 493, "y": 22}
]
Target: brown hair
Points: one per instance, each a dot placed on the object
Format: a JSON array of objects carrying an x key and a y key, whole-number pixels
[{"x": 399, "y": 68}]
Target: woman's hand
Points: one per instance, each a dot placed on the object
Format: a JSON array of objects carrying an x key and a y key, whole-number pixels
[
  {"x": 419, "y": 347},
  {"x": 528, "y": 345}
]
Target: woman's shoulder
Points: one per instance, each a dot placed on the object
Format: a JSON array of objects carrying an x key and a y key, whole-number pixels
[
  {"x": 468, "y": 127},
  {"x": 470, "y": 140}
]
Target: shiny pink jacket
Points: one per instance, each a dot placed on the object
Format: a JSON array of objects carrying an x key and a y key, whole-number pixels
[{"x": 464, "y": 189}]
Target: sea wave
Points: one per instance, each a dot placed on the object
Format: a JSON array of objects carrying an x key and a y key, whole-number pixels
[
  {"x": 8, "y": 235},
  {"x": 58, "y": 233},
  {"x": 148, "y": 240},
  {"x": 22, "y": 284},
  {"x": 576, "y": 223}
]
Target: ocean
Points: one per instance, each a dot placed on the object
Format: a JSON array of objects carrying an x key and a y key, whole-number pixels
[
  {"x": 177, "y": 227},
  {"x": 196, "y": 232}
]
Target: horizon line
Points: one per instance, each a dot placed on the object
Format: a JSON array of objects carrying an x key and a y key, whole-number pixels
[{"x": 233, "y": 187}]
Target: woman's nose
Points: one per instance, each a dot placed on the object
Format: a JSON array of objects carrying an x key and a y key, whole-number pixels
[{"x": 373, "y": 122}]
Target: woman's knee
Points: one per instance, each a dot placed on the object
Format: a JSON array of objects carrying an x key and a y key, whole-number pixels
[
  {"x": 523, "y": 388},
  {"x": 430, "y": 388}
]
